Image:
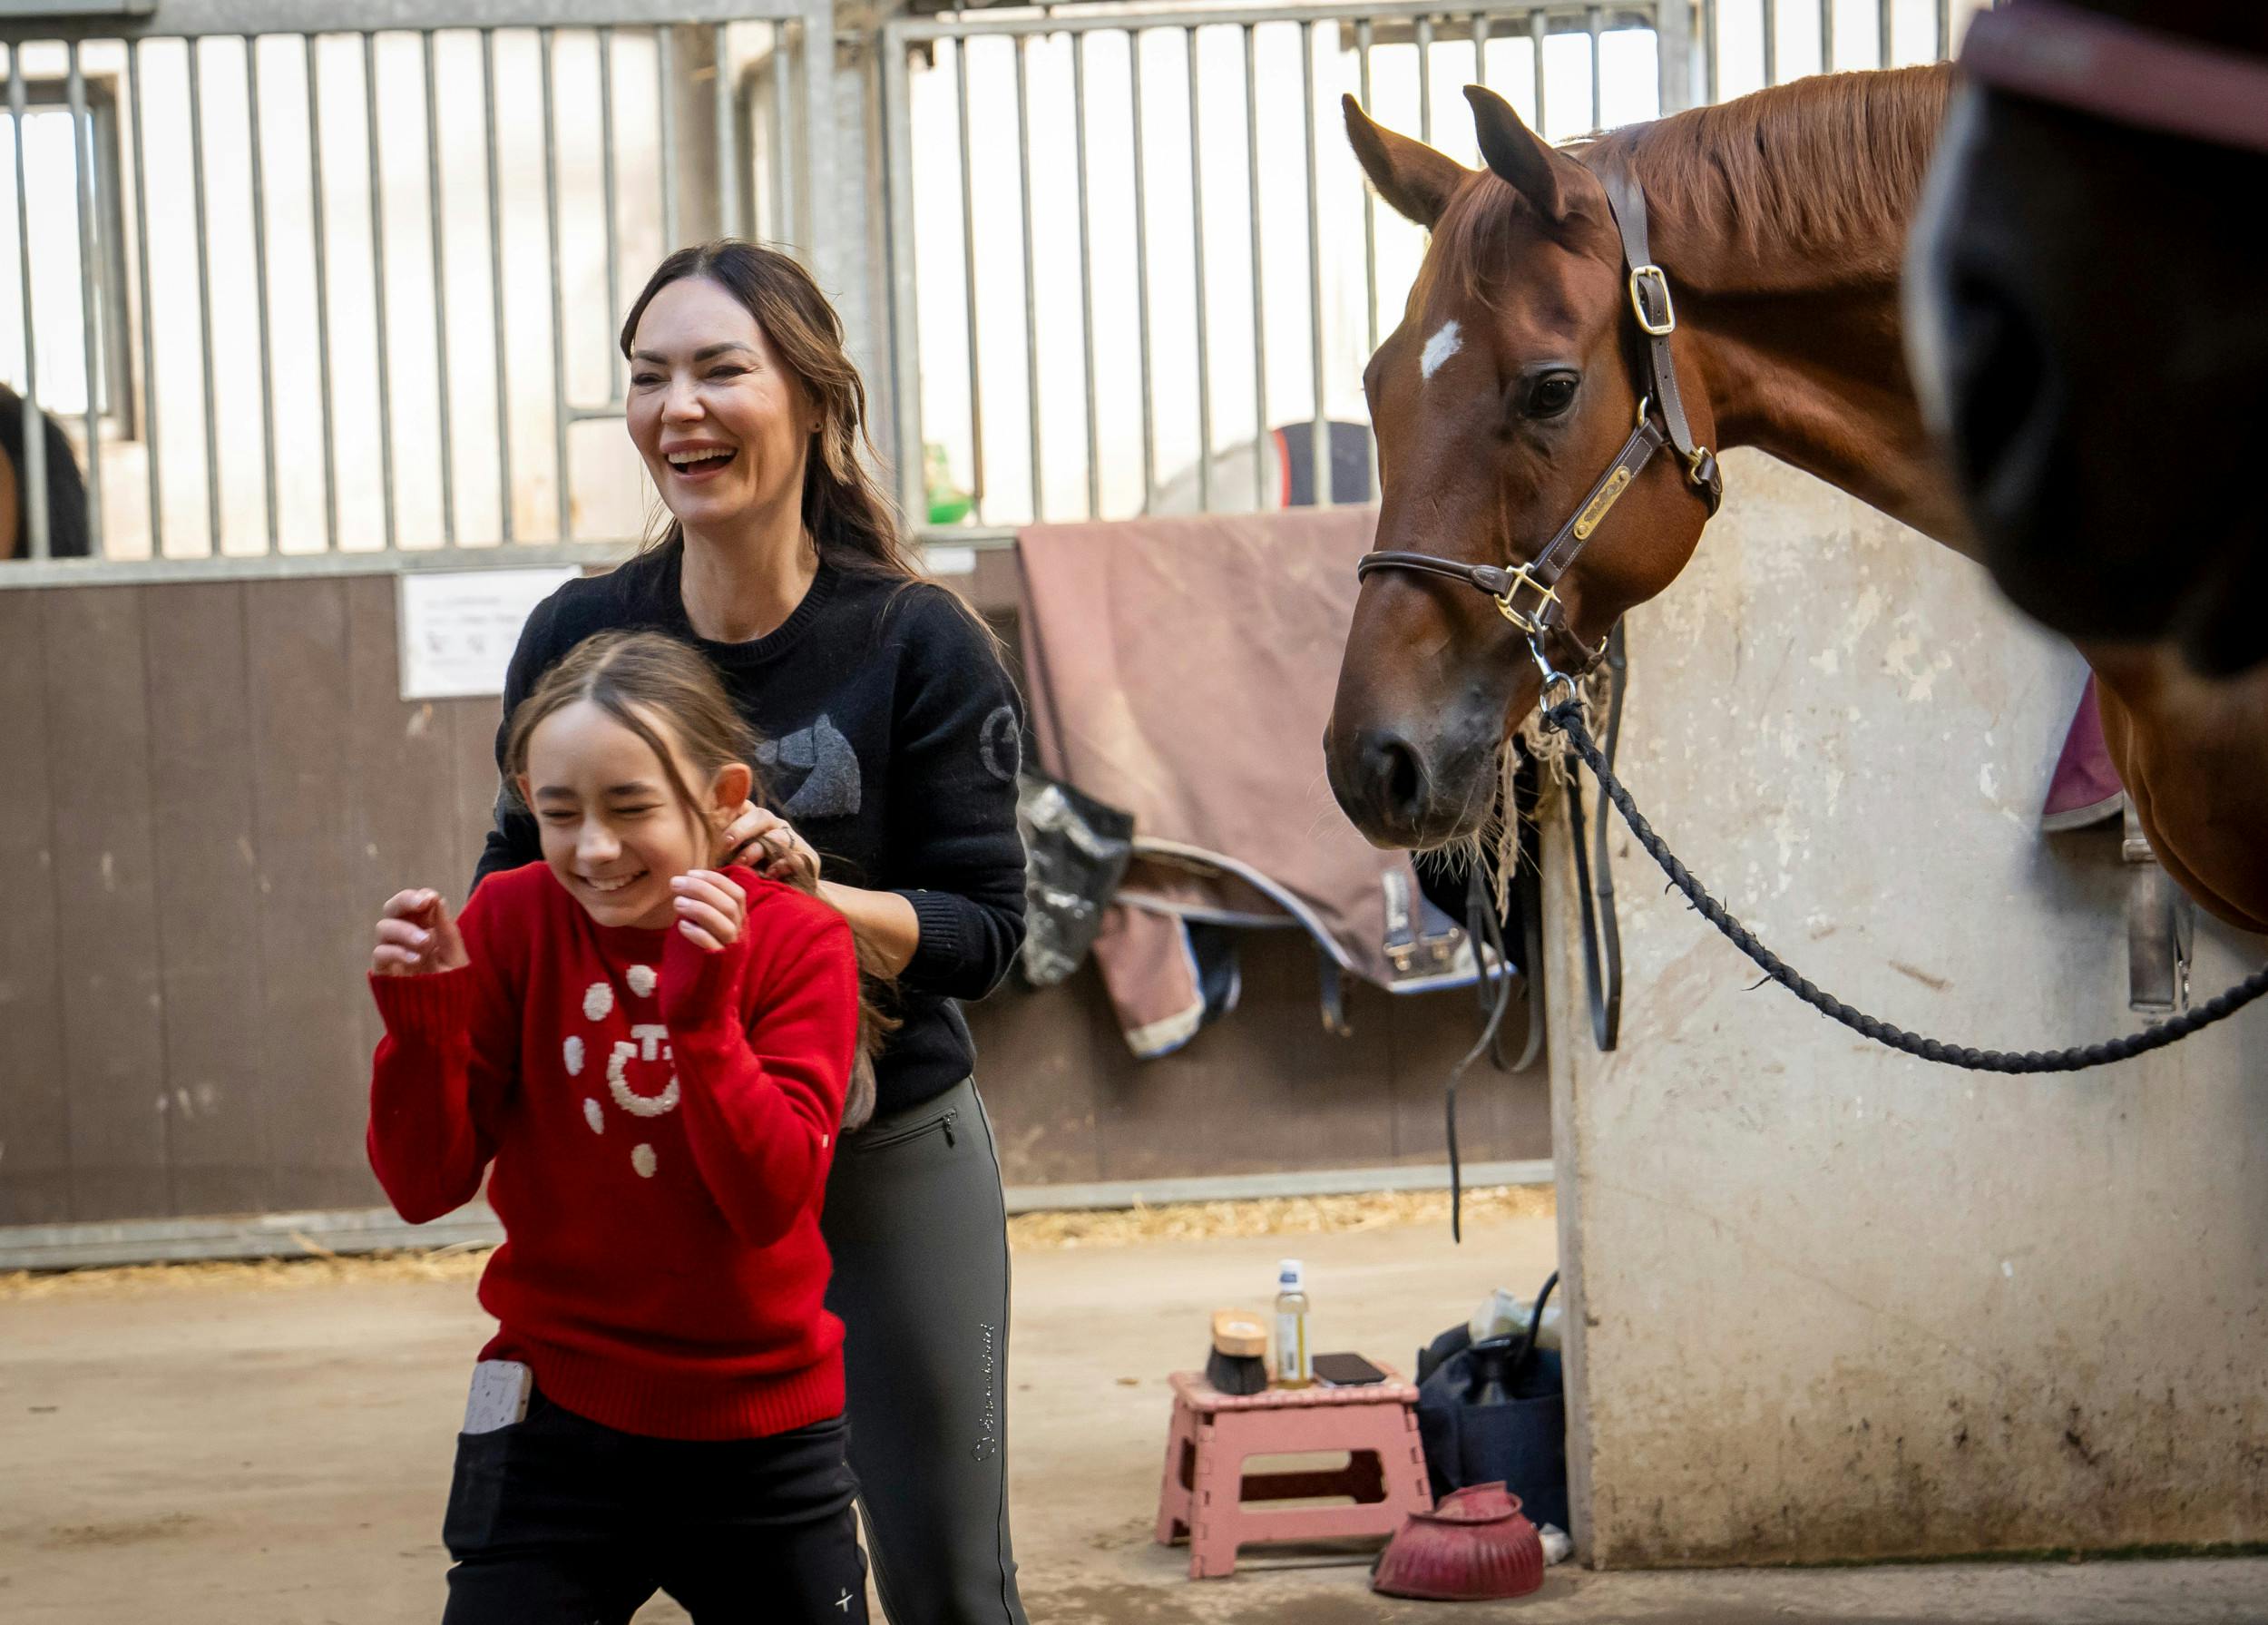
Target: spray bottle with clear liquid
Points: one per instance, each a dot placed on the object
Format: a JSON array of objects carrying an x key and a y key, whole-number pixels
[{"x": 1292, "y": 1366}]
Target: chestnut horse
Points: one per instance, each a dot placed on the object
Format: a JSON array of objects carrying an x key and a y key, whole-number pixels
[{"x": 1778, "y": 221}]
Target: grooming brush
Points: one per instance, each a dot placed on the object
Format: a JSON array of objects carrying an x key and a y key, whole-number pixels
[{"x": 1238, "y": 1361}]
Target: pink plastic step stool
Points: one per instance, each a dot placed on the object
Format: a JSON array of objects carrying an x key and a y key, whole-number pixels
[{"x": 1209, "y": 1499}]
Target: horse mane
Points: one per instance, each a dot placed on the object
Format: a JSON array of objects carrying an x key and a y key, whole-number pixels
[
  {"x": 1810, "y": 182},
  {"x": 1823, "y": 172}
]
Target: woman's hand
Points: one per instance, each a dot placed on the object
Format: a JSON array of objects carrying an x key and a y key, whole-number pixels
[
  {"x": 711, "y": 909},
  {"x": 416, "y": 937},
  {"x": 767, "y": 844}
]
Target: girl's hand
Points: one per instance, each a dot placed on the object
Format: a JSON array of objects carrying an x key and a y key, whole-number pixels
[
  {"x": 709, "y": 909},
  {"x": 416, "y": 937},
  {"x": 767, "y": 844}
]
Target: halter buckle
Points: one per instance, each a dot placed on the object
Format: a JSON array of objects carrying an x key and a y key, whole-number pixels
[
  {"x": 1529, "y": 622},
  {"x": 1648, "y": 280}
]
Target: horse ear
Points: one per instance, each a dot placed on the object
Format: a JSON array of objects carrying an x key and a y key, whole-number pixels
[
  {"x": 1412, "y": 176},
  {"x": 1516, "y": 154}
]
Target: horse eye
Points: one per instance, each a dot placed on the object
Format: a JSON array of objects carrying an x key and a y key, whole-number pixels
[{"x": 1551, "y": 394}]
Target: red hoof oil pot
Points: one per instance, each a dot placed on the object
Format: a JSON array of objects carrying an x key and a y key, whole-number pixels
[{"x": 1475, "y": 1546}]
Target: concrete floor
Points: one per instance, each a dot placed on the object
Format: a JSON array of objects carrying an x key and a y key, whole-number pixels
[{"x": 217, "y": 1456}]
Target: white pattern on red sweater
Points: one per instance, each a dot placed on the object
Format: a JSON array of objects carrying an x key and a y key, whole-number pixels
[{"x": 675, "y": 1287}]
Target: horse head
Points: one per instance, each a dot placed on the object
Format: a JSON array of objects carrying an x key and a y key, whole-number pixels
[
  {"x": 1515, "y": 375},
  {"x": 2082, "y": 319}
]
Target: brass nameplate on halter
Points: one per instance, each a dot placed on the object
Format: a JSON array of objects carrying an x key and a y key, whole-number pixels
[
  {"x": 1545, "y": 597},
  {"x": 1589, "y": 522}
]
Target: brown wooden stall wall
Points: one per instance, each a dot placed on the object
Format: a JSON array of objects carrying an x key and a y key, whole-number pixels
[{"x": 214, "y": 784}]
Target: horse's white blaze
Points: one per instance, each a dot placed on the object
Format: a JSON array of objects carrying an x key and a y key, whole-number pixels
[{"x": 1444, "y": 344}]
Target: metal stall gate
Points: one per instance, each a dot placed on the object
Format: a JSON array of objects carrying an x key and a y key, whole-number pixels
[
  {"x": 1127, "y": 245},
  {"x": 325, "y": 298},
  {"x": 306, "y": 299}
]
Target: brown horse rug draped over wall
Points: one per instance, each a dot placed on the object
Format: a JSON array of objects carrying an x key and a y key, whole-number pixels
[{"x": 1181, "y": 670}]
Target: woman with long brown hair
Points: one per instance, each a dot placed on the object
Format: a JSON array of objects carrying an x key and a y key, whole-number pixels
[{"x": 892, "y": 739}]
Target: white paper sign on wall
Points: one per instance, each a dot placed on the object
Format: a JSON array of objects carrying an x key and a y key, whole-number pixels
[{"x": 459, "y": 627}]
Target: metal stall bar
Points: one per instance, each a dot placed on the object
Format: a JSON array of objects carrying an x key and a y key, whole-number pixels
[
  {"x": 1479, "y": 47},
  {"x": 1141, "y": 272},
  {"x": 968, "y": 275},
  {"x": 204, "y": 289},
  {"x": 1944, "y": 29},
  {"x": 666, "y": 116},
  {"x": 82, "y": 174},
  {"x": 728, "y": 140},
  {"x": 606, "y": 202},
  {"x": 547, "y": 44},
  {"x": 1031, "y": 287},
  {"x": 35, "y": 503},
  {"x": 1370, "y": 198},
  {"x": 786, "y": 208},
  {"x": 148, "y": 415},
  {"x": 496, "y": 281},
  {"x": 1882, "y": 32},
  {"x": 1708, "y": 49},
  {"x": 904, "y": 36},
  {"x": 1077, "y": 43},
  {"x": 322, "y": 297},
  {"x": 1197, "y": 246},
  {"x": 378, "y": 279},
  {"x": 1260, "y": 304},
  {"x": 1421, "y": 33},
  {"x": 1826, "y": 36},
  {"x": 1592, "y": 27},
  {"x": 260, "y": 290},
  {"x": 1771, "y": 41},
  {"x": 979, "y": 24},
  {"x": 1319, "y": 430},
  {"x": 904, "y": 307},
  {"x": 1537, "y": 33},
  {"x": 1674, "y": 24},
  {"x": 440, "y": 296}
]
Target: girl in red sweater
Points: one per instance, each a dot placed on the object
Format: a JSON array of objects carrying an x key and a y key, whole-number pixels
[{"x": 654, "y": 1057}]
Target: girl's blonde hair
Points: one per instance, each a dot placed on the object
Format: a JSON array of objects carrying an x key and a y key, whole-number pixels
[{"x": 636, "y": 677}]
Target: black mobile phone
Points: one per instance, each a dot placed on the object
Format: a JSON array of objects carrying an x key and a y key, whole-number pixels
[{"x": 1346, "y": 1371}]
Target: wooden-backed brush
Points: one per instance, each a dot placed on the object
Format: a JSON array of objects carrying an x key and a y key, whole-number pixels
[{"x": 1238, "y": 1361}]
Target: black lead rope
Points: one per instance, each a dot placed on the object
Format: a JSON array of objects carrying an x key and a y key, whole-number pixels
[
  {"x": 1485, "y": 930},
  {"x": 1594, "y": 875},
  {"x": 1567, "y": 718}
]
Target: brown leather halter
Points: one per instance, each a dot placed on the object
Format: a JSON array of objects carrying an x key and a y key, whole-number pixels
[
  {"x": 1525, "y": 594},
  {"x": 2127, "y": 74}
]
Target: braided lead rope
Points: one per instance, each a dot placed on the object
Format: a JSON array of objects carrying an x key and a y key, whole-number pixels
[{"x": 1567, "y": 718}]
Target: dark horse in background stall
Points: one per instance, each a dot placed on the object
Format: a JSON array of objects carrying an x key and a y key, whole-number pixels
[
  {"x": 1779, "y": 221},
  {"x": 2088, "y": 317},
  {"x": 67, "y": 490}
]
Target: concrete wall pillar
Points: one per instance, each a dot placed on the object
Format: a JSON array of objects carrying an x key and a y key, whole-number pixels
[{"x": 1828, "y": 1302}]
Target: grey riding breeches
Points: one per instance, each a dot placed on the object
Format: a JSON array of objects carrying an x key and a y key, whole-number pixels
[{"x": 918, "y": 1230}]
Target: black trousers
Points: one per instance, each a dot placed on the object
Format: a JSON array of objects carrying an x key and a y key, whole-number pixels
[{"x": 559, "y": 1521}]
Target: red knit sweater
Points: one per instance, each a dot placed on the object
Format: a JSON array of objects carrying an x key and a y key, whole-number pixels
[{"x": 661, "y": 1120}]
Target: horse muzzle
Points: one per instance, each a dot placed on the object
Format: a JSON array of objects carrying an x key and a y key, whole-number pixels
[{"x": 1408, "y": 786}]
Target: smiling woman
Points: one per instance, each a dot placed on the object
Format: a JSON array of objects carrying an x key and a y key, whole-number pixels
[{"x": 888, "y": 749}]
